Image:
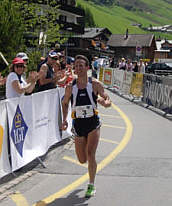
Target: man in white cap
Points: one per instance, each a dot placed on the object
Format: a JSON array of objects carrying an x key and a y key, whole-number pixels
[
  {"x": 23, "y": 56},
  {"x": 48, "y": 79}
]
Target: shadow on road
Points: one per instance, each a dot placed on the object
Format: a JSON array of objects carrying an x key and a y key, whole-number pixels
[{"x": 72, "y": 199}]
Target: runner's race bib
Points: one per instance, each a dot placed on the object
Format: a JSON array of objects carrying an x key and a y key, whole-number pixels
[{"x": 84, "y": 111}]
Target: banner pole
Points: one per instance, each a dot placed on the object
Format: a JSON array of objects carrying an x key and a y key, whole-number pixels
[
  {"x": 4, "y": 58},
  {"x": 41, "y": 162}
]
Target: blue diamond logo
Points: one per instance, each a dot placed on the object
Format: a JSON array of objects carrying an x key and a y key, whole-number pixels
[{"x": 18, "y": 131}]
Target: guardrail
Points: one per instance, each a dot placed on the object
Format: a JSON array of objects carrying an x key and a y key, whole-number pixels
[{"x": 163, "y": 72}]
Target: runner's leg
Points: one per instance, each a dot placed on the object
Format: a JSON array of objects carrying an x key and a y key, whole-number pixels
[
  {"x": 92, "y": 142},
  {"x": 80, "y": 149}
]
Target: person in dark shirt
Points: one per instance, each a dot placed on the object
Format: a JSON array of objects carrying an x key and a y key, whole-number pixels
[
  {"x": 48, "y": 79},
  {"x": 135, "y": 66}
]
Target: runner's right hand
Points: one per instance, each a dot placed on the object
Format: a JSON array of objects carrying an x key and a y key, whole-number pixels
[{"x": 64, "y": 125}]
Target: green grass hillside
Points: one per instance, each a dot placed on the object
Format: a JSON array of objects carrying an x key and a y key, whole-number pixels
[{"x": 144, "y": 12}]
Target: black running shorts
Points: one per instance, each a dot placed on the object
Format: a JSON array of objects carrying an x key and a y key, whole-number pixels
[{"x": 83, "y": 126}]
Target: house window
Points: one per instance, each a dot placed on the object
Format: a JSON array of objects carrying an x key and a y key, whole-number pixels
[
  {"x": 63, "y": 18},
  {"x": 71, "y": 2},
  {"x": 64, "y": 2}
]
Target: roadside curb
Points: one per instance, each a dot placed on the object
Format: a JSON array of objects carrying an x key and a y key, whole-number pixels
[{"x": 4, "y": 190}]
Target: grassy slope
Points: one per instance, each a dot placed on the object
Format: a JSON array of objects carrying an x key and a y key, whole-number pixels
[{"x": 117, "y": 19}]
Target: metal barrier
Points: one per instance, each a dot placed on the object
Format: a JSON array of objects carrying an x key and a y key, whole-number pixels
[{"x": 163, "y": 72}]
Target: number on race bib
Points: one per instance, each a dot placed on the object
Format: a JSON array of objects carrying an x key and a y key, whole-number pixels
[{"x": 84, "y": 111}]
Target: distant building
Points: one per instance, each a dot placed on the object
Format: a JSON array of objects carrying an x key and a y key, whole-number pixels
[
  {"x": 164, "y": 50},
  {"x": 92, "y": 43},
  {"x": 165, "y": 28},
  {"x": 71, "y": 18},
  {"x": 127, "y": 45}
]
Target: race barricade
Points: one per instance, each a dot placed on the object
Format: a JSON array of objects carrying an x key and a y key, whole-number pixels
[
  {"x": 5, "y": 167},
  {"x": 118, "y": 79},
  {"x": 137, "y": 85},
  {"x": 101, "y": 74},
  {"x": 149, "y": 89},
  {"x": 157, "y": 92},
  {"x": 126, "y": 85},
  {"x": 108, "y": 77},
  {"x": 34, "y": 126}
]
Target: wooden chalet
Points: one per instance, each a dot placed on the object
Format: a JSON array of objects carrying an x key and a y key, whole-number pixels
[
  {"x": 164, "y": 49},
  {"x": 126, "y": 46},
  {"x": 92, "y": 43}
]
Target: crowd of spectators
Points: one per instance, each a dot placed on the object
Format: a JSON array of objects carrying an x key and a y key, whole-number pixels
[
  {"x": 54, "y": 70},
  {"x": 122, "y": 64},
  {"x": 132, "y": 66}
]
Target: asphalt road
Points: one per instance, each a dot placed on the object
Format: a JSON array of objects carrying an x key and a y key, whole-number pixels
[{"x": 134, "y": 165}]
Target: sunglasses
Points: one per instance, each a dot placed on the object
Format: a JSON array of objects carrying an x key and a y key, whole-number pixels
[
  {"x": 54, "y": 58},
  {"x": 19, "y": 65}
]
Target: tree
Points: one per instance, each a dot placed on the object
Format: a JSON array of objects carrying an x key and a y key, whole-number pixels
[
  {"x": 11, "y": 29},
  {"x": 39, "y": 17},
  {"x": 21, "y": 22}
]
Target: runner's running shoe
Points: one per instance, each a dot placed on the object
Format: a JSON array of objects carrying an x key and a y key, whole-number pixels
[{"x": 91, "y": 191}]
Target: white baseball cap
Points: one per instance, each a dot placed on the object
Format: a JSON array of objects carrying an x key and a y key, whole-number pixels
[{"x": 22, "y": 55}]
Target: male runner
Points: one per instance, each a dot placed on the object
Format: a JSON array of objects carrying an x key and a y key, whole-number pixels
[{"x": 83, "y": 93}]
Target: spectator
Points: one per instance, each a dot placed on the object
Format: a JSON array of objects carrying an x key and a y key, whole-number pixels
[
  {"x": 23, "y": 56},
  {"x": 129, "y": 66},
  {"x": 141, "y": 67},
  {"x": 135, "y": 66},
  {"x": 63, "y": 76},
  {"x": 16, "y": 85},
  {"x": 112, "y": 62},
  {"x": 48, "y": 79},
  {"x": 122, "y": 64},
  {"x": 94, "y": 67}
]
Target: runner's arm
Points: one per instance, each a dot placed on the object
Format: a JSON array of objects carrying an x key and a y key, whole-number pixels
[
  {"x": 103, "y": 98},
  {"x": 65, "y": 105}
]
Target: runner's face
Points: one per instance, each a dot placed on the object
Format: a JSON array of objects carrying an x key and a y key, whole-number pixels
[{"x": 80, "y": 67}]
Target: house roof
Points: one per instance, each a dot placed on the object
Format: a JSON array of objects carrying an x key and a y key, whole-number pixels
[
  {"x": 90, "y": 33},
  {"x": 118, "y": 40},
  {"x": 159, "y": 45}
]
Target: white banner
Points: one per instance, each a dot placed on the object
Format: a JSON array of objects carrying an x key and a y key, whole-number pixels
[
  {"x": 127, "y": 82},
  {"x": 108, "y": 77},
  {"x": 20, "y": 131},
  {"x": 45, "y": 120},
  {"x": 4, "y": 161},
  {"x": 33, "y": 126},
  {"x": 118, "y": 78}
]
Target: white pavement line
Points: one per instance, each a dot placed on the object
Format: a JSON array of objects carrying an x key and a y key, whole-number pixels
[
  {"x": 109, "y": 115},
  {"x": 74, "y": 161},
  {"x": 109, "y": 141},
  {"x": 113, "y": 126},
  {"x": 19, "y": 199}
]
